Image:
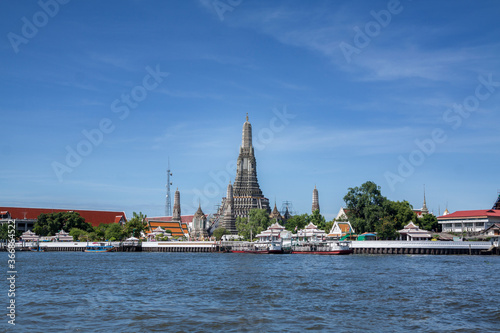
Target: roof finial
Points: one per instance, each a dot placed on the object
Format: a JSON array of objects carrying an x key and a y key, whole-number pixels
[
  {"x": 424, "y": 206},
  {"x": 424, "y": 194},
  {"x": 247, "y": 116}
]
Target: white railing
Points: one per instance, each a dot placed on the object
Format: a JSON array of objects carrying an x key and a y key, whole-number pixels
[
  {"x": 420, "y": 245},
  {"x": 203, "y": 244}
]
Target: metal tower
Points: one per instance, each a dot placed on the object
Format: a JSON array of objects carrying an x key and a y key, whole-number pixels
[
  {"x": 168, "y": 199},
  {"x": 287, "y": 206}
]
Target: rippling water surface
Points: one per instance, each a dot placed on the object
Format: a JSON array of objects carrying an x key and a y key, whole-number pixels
[{"x": 199, "y": 292}]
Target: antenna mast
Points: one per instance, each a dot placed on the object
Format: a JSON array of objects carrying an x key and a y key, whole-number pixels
[{"x": 168, "y": 199}]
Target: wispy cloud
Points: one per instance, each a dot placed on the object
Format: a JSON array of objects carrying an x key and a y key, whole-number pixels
[{"x": 381, "y": 60}]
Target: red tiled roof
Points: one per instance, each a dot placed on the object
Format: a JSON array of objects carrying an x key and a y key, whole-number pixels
[
  {"x": 94, "y": 217},
  {"x": 472, "y": 213}
]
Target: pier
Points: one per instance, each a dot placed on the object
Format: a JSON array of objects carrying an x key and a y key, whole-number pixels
[
  {"x": 180, "y": 247},
  {"x": 126, "y": 246},
  {"x": 359, "y": 247},
  {"x": 424, "y": 247}
]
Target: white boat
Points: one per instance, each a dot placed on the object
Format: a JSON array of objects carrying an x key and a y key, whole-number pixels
[{"x": 329, "y": 248}]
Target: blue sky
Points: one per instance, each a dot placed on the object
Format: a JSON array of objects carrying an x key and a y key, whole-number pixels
[{"x": 338, "y": 93}]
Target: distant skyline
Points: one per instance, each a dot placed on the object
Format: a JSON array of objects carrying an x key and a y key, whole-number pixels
[{"x": 96, "y": 97}]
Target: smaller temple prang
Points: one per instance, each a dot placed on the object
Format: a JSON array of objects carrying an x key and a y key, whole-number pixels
[
  {"x": 199, "y": 226},
  {"x": 275, "y": 214},
  {"x": 315, "y": 200},
  {"x": 176, "y": 214},
  {"x": 229, "y": 219}
]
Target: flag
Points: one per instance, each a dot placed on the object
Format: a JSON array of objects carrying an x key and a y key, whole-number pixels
[{"x": 295, "y": 228}]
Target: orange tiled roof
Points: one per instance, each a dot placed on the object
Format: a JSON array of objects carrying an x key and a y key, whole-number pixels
[
  {"x": 177, "y": 229},
  {"x": 344, "y": 227}
]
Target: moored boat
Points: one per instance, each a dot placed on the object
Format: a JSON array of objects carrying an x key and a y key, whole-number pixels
[
  {"x": 98, "y": 248},
  {"x": 326, "y": 248},
  {"x": 260, "y": 248}
]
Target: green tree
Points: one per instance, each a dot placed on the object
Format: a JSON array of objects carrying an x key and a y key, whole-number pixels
[
  {"x": 78, "y": 234},
  {"x": 365, "y": 206},
  {"x": 257, "y": 222},
  {"x": 318, "y": 220},
  {"x": 115, "y": 231},
  {"x": 100, "y": 230},
  {"x": 4, "y": 231},
  {"x": 401, "y": 212},
  {"x": 92, "y": 236},
  {"x": 219, "y": 232},
  {"x": 329, "y": 225},
  {"x": 429, "y": 222},
  {"x": 387, "y": 229},
  {"x": 50, "y": 224},
  {"x": 135, "y": 225},
  {"x": 297, "y": 222}
]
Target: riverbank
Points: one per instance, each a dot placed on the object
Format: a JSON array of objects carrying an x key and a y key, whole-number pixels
[{"x": 359, "y": 247}]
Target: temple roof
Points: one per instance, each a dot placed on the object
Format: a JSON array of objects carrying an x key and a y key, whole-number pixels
[
  {"x": 199, "y": 213},
  {"x": 177, "y": 229}
]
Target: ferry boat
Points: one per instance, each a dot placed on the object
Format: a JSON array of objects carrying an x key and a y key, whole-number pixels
[
  {"x": 327, "y": 248},
  {"x": 260, "y": 248},
  {"x": 98, "y": 248}
]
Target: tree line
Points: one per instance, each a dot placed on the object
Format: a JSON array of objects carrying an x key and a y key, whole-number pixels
[{"x": 80, "y": 230}]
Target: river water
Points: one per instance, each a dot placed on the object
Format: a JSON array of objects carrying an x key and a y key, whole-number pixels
[{"x": 200, "y": 292}]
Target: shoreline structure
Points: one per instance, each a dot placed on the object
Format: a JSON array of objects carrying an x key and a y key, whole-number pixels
[{"x": 359, "y": 247}]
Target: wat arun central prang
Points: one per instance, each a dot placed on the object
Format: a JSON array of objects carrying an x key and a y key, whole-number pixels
[{"x": 246, "y": 193}]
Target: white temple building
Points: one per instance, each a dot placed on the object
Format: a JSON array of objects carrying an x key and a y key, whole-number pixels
[
  {"x": 311, "y": 233},
  {"x": 274, "y": 233},
  {"x": 411, "y": 232}
]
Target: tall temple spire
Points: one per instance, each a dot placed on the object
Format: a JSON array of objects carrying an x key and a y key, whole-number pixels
[
  {"x": 424, "y": 206},
  {"x": 176, "y": 215},
  {"x": 247, "y": 192},
  {"x": 315, "y": 203}
]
